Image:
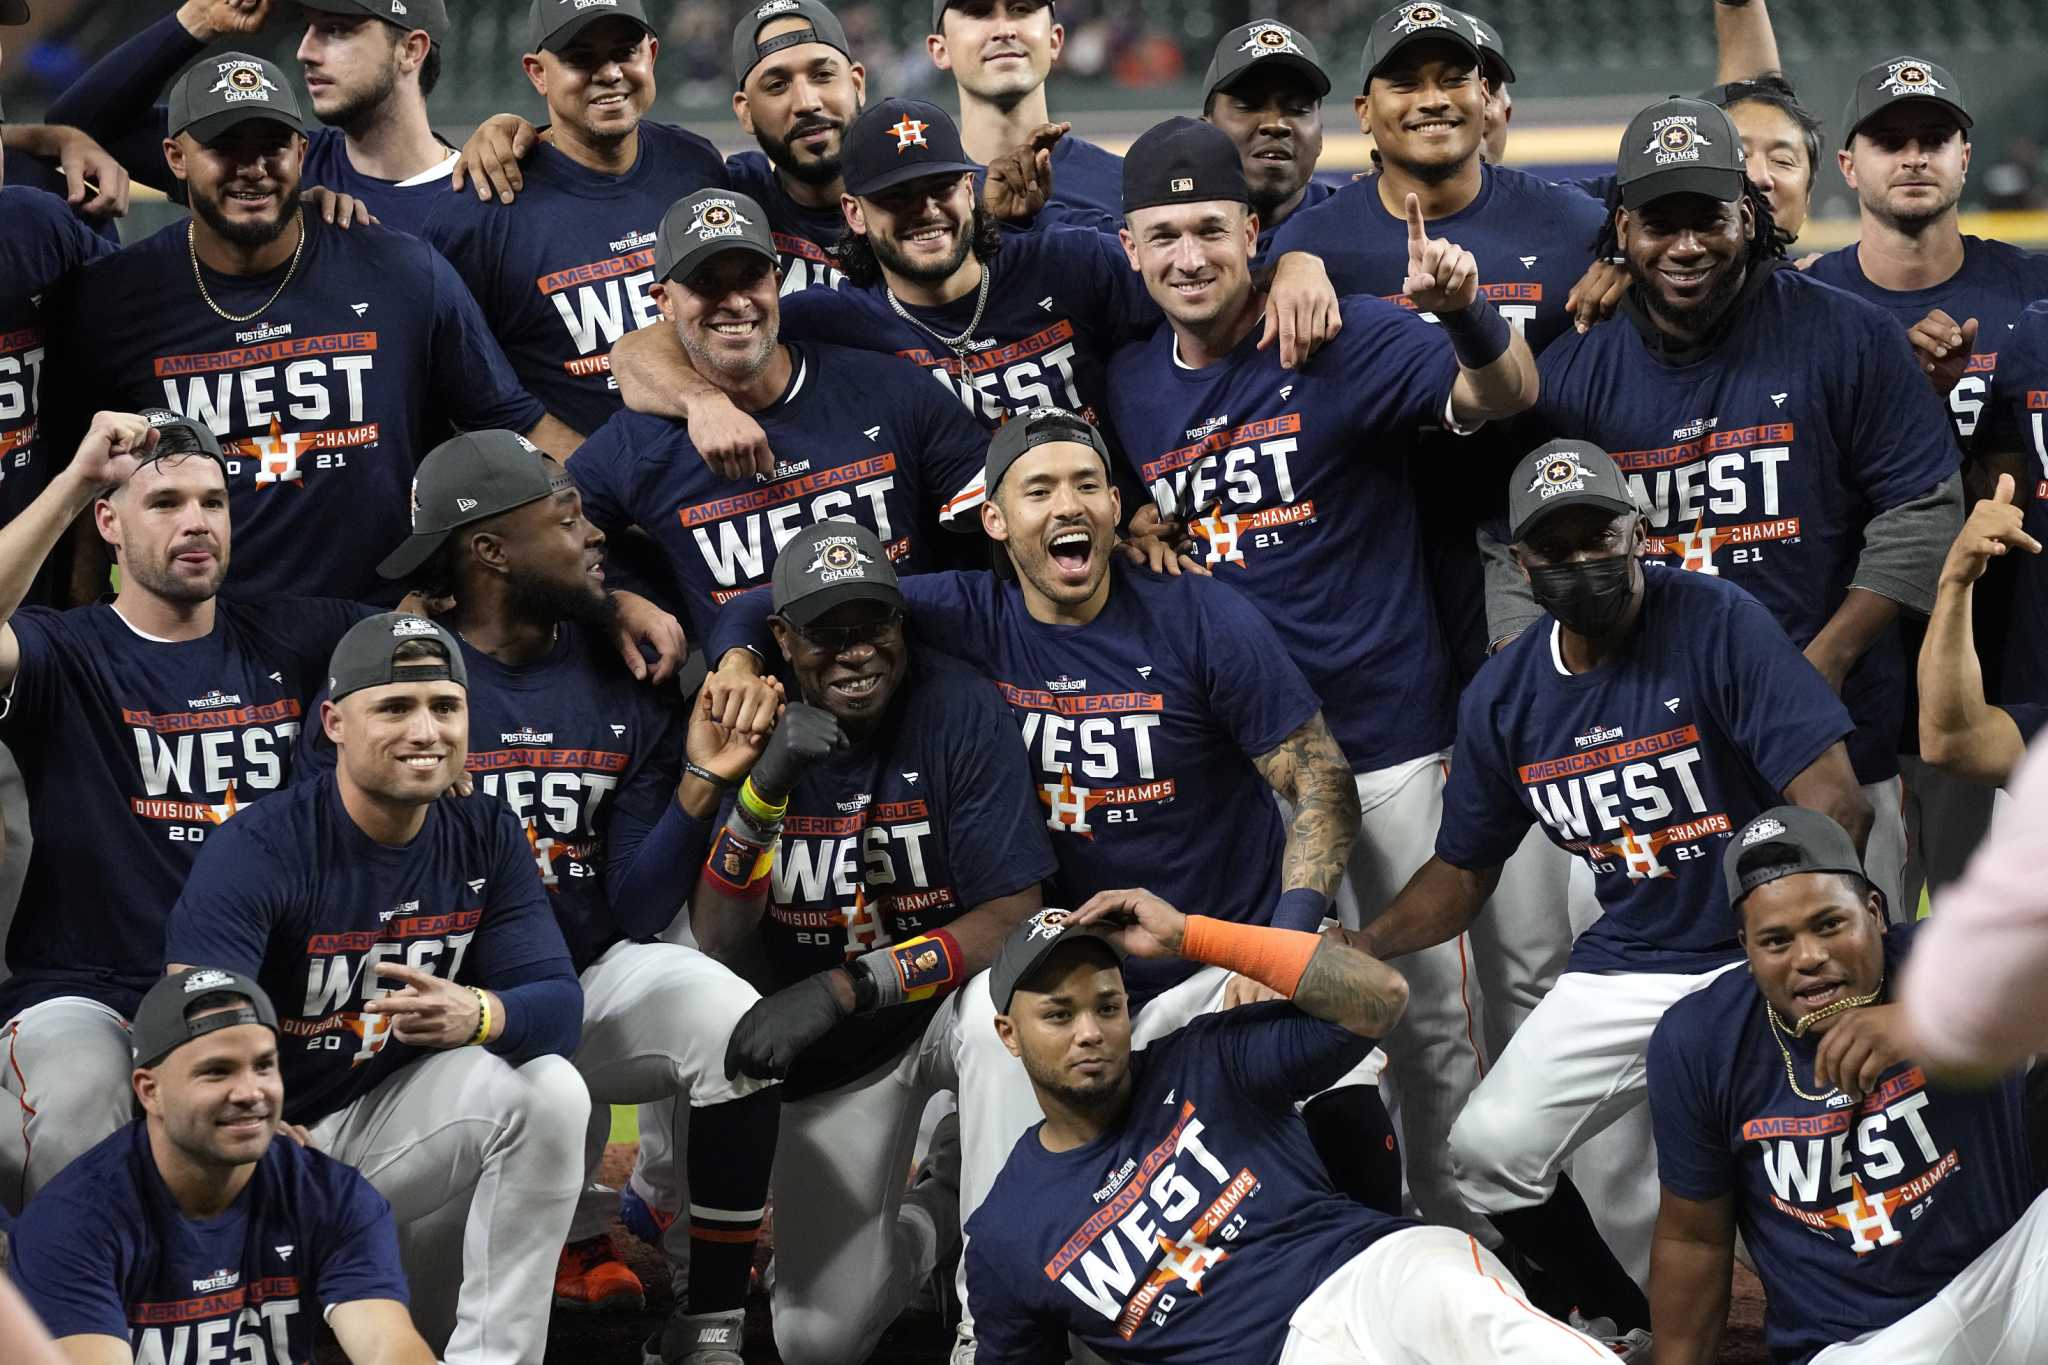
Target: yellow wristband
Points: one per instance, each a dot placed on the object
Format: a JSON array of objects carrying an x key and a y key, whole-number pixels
[
  {"x": 757, "y": 809},
  {"x": 483, "y": 1021}
]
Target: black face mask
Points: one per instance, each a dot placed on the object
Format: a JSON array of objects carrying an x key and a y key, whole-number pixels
[{"x": 1589, "y": 597}]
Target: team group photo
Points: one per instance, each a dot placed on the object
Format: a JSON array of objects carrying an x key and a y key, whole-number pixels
[{"x": 531, "y": 532}]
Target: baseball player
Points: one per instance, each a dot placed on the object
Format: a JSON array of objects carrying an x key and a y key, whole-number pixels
[
  {"x": 1645, "y": 716},
  {"x": 999, "y": 53},
  {"x": 2016, "y": 444},
  {"x": 323, "y": 361},
  {"x": 1890, "y": 1218},
  {"x": 563, "y": 271},
  {"x": 910, "y": 842},
  {"x": 594, "y": 767},
  {"x": 1263, "y": 464},
  {"x": 1154, "y": 711},
  {"x": 142, "y": 725},
  {"x": 202, "y": 1227},
  {"x": 435, "y": 1000},
  {"x": 1794, "y": 416},
  {"x": 369, "y": 66},
  {"x": 1961, "y": 733},
  {"x": 1265, "y": 88},
  {"x": 867, "y": 435},
  {"x": 1170, "y": 1192}
]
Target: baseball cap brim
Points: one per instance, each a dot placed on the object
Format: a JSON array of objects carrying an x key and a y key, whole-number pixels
[
  {"x": 1317, "y": 78},
  {"x": 1028, "y": 966},
  {"x": 1550, "y": 509},
  {"x": 686, "y": 264},
  {"x": 413, "y": 552},
  {"x": 807, "y": 609},
  {"x": 566, "y": 34},
  {"x": 1452, "y": 36},
  {"x": 1962, "y": 115},
  {"x": 1715, "y": 182},
  {"x": 212, "y": 127},
  {"x": 910, "y": 170}
]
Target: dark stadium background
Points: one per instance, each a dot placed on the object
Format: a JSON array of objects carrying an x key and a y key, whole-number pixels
[{"x": 1584, "y": 67}]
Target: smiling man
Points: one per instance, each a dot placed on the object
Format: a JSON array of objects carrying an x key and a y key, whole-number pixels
[
  {"x": 431, "y": 1004},
  {"x": 1265, "y": 89},
  {"x": 142, "y": 724},
  {"x": 1793, "y": 415},
  {"x": 204, "y": 1220},
  {"x": 1890, "y": 1218}
]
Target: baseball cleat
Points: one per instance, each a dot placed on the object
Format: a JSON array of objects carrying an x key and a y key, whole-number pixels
[
  {"x": 590, "y": 1278},
  {"x": 698, "y": 1339},
  {"x": 1631, "y": 1345}
]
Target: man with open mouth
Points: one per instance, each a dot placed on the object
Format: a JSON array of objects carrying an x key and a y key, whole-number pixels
[{"x": 1890, "y": 1217}]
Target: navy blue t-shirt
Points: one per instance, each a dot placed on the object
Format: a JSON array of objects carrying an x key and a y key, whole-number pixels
[
  {"x": 1059, "y": 302},
  {"x": 1856, "y": 1214},
  {"x": 859, "y": 435},
  {"x": 41, "y": 241},
  {"x": 23, "y": 170},
  {"x": 1301, "y": 480},
  {"x": 1191, "y": 1232},
  {"x": 1312, "y": 194},
  {"x": 804, "y": 237},
  {"x": 104, "y": 1250},
  {"x": 1806, "y": 420},
  {"x": 403, "y": 206},
  {"x": 325, "y": 403},
  {"x": 898, "y": 835},
  {"x": 295, "y": 894},
  {"x": 1139, "y": 729},
  {"x": 1996, "y": 283},
  {"x": 1642, "y": 766},
  {"x": 2030, "y": 717},
  {"x": 1087, "y": 190},
  {"x": 2019, "y": 421},
  {"x": 136, "y": 752},
  {"x": 562, "y": 272}
]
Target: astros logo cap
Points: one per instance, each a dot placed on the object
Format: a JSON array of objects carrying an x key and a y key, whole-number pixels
[
  {"x": 1031, "y": 943},
  {"x": 1405, "y": 25},
  {"x": 1900, "y": 79},
  {"x": 227, "y": 89},
  {"x": 896, "y": 140},
  {"x": 749, "y": 49},
  {"x": 163, "y": 1023},
  {"x": 1264, "y": 45},
  {"x": 1561, "y": 474},
  {"x": 1785, "y": 841},
  {"x": 469, "y": 479},
  {"x": 367, "y": 655},
  {"x": 429, "y": 15},
  {"x": 556, "y": 23},
  {"x": 708, "y": 223},
  {"x": 1680, "y": 146},
  {"x": 829, "y": 564}
]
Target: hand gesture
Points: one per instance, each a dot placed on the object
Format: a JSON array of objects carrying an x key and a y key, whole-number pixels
[
  {"x": 490, "y": 159},
  {"x": 731, "y": 722},
  {"x": 336, "y": 209},
  {"x": 729, "y": 440},
  {"x": 1020, "y": 180},
  {"x": 804, "y": 735},
  {"x": 211, "y": 20},
  {"x": 1442, "y": 276},
  {"x": 1861, "y": 1046},
  {"x": 1597, "y": 294},
  {"x": 115, "y": 446},
  {"x": 1993, "y": 528},
  {"x": 636, "y": 624},
  {"x": 1943, "y": 348},
  {"x": 94, "y": 182},
  {"x": 1301, "y": 309},
  {"x": 1148, "y": 926},
  {"x": 430, "y": 1011}
]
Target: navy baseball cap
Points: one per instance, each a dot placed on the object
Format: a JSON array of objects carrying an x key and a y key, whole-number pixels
[
  {"x": 1038, "y": 427},
  {"x": 1416, "y": 22},
  {"x": 1898, "y": 80},
  {"x": 556, "y": 23},
  {"x": 163, "y": 1021},
  {"x": 1680, "y": 146},
  {"x": 829, "y": 564},
  {"x": 431, "y": 15},
  {"x": 1262, "y": 45},
  {"x": 1561, "y": 474},
  {"x": 1786, "y": 841},
  {"x": 702, "y": 225},
  {"x": 749, "y": 50},
  {"x": 365, "y": 657},
  {"x": 475, "y": 476},
  {"x": 1182, "y": 161},
  {"x": 227, "y": 89},
  {"x": 895, "y": 140},
  {"x": 1032, "y": 942}
]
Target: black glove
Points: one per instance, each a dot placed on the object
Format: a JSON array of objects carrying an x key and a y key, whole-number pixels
[
  {"x": 769, "y": 1036},
  {"x": 804, "y": 735}
]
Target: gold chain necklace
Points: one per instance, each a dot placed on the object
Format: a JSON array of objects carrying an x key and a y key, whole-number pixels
[
  {"x": 192, "y": 249},
  {"x": 1805, "y": 1023}
]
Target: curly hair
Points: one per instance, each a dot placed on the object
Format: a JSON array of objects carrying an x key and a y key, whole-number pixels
[{"x": 856, "y": 257}]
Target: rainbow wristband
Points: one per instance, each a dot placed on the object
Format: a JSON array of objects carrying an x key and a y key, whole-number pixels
[{"x": 915, "y": 969}]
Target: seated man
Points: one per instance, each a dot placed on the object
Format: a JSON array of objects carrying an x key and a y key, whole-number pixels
[
  {"x": 204, "y": 1221},
  {"x": 1889, "y": 1218},
  {"x": 1170, "y": 1206}
]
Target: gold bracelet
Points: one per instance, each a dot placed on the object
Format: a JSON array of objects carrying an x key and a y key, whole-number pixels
[{"x": 483, "y": 1021}]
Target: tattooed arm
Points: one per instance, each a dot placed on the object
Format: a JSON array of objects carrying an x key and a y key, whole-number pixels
[
  {"x": 1309, "y": 773},
  {"x": 1351, "y": 989}
]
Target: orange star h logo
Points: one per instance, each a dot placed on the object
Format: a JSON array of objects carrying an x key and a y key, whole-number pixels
[{"x": 909, "y": 133}]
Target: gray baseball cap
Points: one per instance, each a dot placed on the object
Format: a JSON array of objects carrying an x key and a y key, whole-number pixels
[
  {"x": 1264, "y": 43},
  {"x": 556, "y": 23},
  {"x": 831, "y": 563},
  {"x": 701, "y": 225},
  {"x": 1418, "y": 21},
  {"x": 431, "y": 15},
  {"x": 1031, "y": 943},
  {"x": 748, "y": 51},
  {"x": 219, "y": 92},
  {"x": 1786, "y": 841},
  {"x": 1680, "y": 146},
  {"x": 1493, "y": 55},
  {"x": 1903, "y": 78},
  {"x": 364, "y": 658},
  {"x": 1038, "y": 427},
  {"x": 475, "y": 476},
  {"x": 163, "y": 1021},
  {"x": 178, "y": 434},
  {"x": 1561, "y": 474}
]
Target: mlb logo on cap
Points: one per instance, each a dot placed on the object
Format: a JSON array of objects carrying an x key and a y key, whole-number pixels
[{"x": 1183, "y": 185}]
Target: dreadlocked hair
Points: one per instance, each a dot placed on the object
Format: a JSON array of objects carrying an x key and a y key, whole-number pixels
[
  {"x": 1767, "y": 245},
  {"x": 856, "y": 256}
]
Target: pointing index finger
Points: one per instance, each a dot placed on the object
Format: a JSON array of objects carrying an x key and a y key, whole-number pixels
[{"x": 1418, "y": 235}]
